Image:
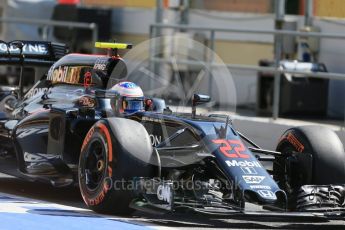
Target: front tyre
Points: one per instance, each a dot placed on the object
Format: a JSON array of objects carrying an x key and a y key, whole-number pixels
[
  {"x": 311, "y": 155},
  {"x": 108, "y": 164}
]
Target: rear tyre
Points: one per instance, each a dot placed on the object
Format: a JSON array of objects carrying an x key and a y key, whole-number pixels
[
  {"x": 114, "y": 152},
  {"x": 311, "y": 155}
]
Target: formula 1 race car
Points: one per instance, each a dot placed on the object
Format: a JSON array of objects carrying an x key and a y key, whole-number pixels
[{"x": 72, "y": 128}]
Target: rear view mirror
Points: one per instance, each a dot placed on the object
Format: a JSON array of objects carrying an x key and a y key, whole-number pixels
[{"x": 199, "y": 99}]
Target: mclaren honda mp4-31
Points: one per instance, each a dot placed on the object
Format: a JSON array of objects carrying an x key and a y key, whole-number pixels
[{"x": 69, "y": 129}]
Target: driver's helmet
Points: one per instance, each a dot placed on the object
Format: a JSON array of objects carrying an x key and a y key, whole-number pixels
[{"x": 131, "y": 97}]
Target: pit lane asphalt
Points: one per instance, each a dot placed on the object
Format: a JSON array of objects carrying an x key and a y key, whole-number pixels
[{"x": 42, "y": 193}]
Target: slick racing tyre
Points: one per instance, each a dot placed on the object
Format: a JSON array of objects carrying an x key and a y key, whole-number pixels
[
  {"x": 114, "y": 152},
  {"x": 311, "y": 155}
]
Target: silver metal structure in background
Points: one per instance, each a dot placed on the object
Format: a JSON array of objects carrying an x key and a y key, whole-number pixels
[
  {"x": 50, "y": 23},
  {"x": 278, "y": 45},
  {"x": 277, "y": 70},
  {"x": 308, "y": 12},
  {"x": 159, "y": 14}
]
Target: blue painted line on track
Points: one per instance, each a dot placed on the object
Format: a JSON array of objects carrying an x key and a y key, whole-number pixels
[
  {"x": 18, "y": 213},
  {"x": 14, "y": 221}
]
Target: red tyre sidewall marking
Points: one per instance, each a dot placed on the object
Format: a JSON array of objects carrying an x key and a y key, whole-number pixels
[
  {"x": 87, "y": 138},
  {"x": 105, "y": 130},
  {"x": 295, "y": 142}
]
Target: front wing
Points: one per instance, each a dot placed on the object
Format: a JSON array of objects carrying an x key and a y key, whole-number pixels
[{"x": 314, "y": 202}]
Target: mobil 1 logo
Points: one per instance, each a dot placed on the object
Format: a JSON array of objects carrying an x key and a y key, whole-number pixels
[
  {"x": 249, "y": 170},
  {"x": 247, "y": 167}
]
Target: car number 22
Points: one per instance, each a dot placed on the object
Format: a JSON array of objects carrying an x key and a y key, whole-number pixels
[{"x": 232, "y": 148}]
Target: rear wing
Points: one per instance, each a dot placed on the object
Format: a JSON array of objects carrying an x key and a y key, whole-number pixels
[{"x": 31, "y": 53}]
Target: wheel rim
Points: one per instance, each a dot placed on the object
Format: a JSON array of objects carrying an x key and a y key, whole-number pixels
[{"x": 95, "y": 164}]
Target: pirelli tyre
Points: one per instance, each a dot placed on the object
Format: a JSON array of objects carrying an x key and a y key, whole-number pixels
[
  {"x": 311, "y": 155},
  {"x": 114, "y": 152}
]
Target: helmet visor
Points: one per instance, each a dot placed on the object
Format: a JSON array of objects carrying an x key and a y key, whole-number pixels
[{"x": 133, "y": 104}]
